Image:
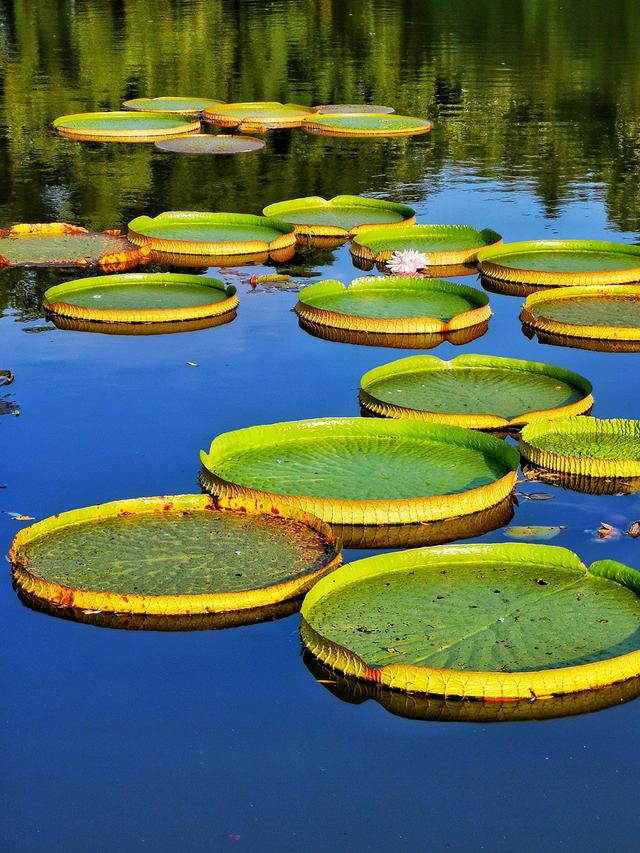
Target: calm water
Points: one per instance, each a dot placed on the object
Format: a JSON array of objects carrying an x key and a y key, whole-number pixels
[{"x": 117, "y": 740}]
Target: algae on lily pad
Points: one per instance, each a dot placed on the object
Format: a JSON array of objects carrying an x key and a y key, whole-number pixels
[
  {"x": 489, "y": 622},
  {"x": 257, "y": 115},
  {"x": 124, "y": 126},
  {"x": 364, "y": 475},
  {"x": 444, "y": 245},
  {"x": 58, "y": 244},
  {"x": 608, "y": 314},
  {"x": 584, "y": 447},
  {"x": 171, "y": 104},
  {"x": 365, "y": 124},
  {"x": 142, "y": 298},
  {"x": 172, "y": 556},
  {"x": 393, "y": 306},
  {"x": 202, "y": 143},
  {"x": 213, "y": 234},
  {"x": 558, "y": 263},
  {"x": 340, "y": 217},
  {"x": 476, "y": 391}
]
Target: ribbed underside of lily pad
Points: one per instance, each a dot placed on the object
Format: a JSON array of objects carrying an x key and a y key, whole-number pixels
[
  {"x": 190, "y": 553},
  {"x": 510, "y": 612}
]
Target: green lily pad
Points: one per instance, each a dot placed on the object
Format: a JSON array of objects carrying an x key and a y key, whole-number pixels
[
  {"x": 481, "y": 621},
  {"x": 393, "y": 305},
  {"x": 366, "y": 124},
  {"x": 363, "y": 472},
  {"x": 268, "y": 114},
  {"x": 345, "y": 213},
  {"x": 183, "y": 106},
  {"x": 141, "y": 297},
  {"x": 170, "y": 556},
  {"x": 586, "y": 446},
  {"x": 195, "y": 233},
  {"x": 561, "y": 262},
  {"x": 124, "y": 126},
  {"x": 482, "y": 392},
  {"x": 208, "y": 144},
  {"x": 328, "y": 109},
  {"x": 53, "y": 245},
  {"x": 443, "y": 244}
]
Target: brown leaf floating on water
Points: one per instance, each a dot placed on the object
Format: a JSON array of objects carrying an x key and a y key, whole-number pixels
[
  {"x": 634, "y": 530},
  {"x": 605, "y": 530}
]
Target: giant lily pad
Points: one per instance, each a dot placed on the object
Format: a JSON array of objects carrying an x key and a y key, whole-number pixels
[
  {"x": 366, "y": 476},
  {"x": 57, "y": 244},
  {"x": 365, "y": 124},
  {"x": 221, "y": 143},
  {"x": 172, "y": 556},
  {"x": 167, "y": 104},
  {"x": 557, "y": 263},
  {"x": 124, "y": 126},
  {"x": 586, "y": 447},
  {"x": 142, "y": 298},
  {"x": 443, "y": 245},
  {"x": 600, "y": 313},
  {"x": 477, "y": 391},
  {"x": 340, "y": 217},
  {"x": 459, "y": 709},
  {"x": 257, "y": 115},
  {"x": 492, "y": 622},
  {"x": 213, "y": 234},
  {"x": 393, "y": 306},
  {"x": 328, "y": 109}
]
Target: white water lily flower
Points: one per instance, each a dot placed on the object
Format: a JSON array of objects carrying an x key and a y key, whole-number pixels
[{"x": 407, "y": 262}]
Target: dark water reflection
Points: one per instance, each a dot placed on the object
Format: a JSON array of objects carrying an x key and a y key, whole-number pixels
[{"x": 130, "y": 740}]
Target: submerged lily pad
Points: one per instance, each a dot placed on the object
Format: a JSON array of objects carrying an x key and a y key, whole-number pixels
[
  {"x": 124, "y": 126},
  {"x": 142, "y": 298},
  {"x": 476, "y": 391},
  {"x": 364, "y": 475},
  {"x": 586, "y": 447},
  {"x": 443, "y": 245},
  {"x": 208, "y": 144},
  {"x": 257, "y": 115},
  {"x": 365, "y": 124},
  {"x": 602, "y": 313},
  {"x": 556, "y": 263},
  {"x": 213, "y": 234},
  {"x": 340, "y": 217},
  {"x": 489, "y": 622},
  {"x": 57, "y": 244},
  {"x": 533, "y": 531},
  {"x": 170, "y": 104},
  {"x": 394, "y": 306},
  {"x": 171, "y": 556}
]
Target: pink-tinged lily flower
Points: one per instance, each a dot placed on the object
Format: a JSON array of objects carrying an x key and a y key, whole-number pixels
[{"x": 407, "y": 262}]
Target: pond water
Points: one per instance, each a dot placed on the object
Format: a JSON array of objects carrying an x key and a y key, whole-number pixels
[{"x": 205, "y": 740}]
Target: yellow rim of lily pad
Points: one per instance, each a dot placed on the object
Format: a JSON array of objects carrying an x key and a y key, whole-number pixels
[
  {"x": 309, "y": 314},
  {"x": 518, "y": 368},
  {"x": 95, "y": 127},
  {"x": 598, "y": 446},
  {"x": 379, "y": 245},
  {"x": 533, "y": 313},
  {"x": 493, "y": 686},
  {"x": 59, "y": 299},
  {"x": 123, "y": 256},
  {"x": 163, "y": 605},
  {"x": 281, "y": 209},
  {"x": 147, "y": 231},
  {"x": 494, "y": 263}
]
